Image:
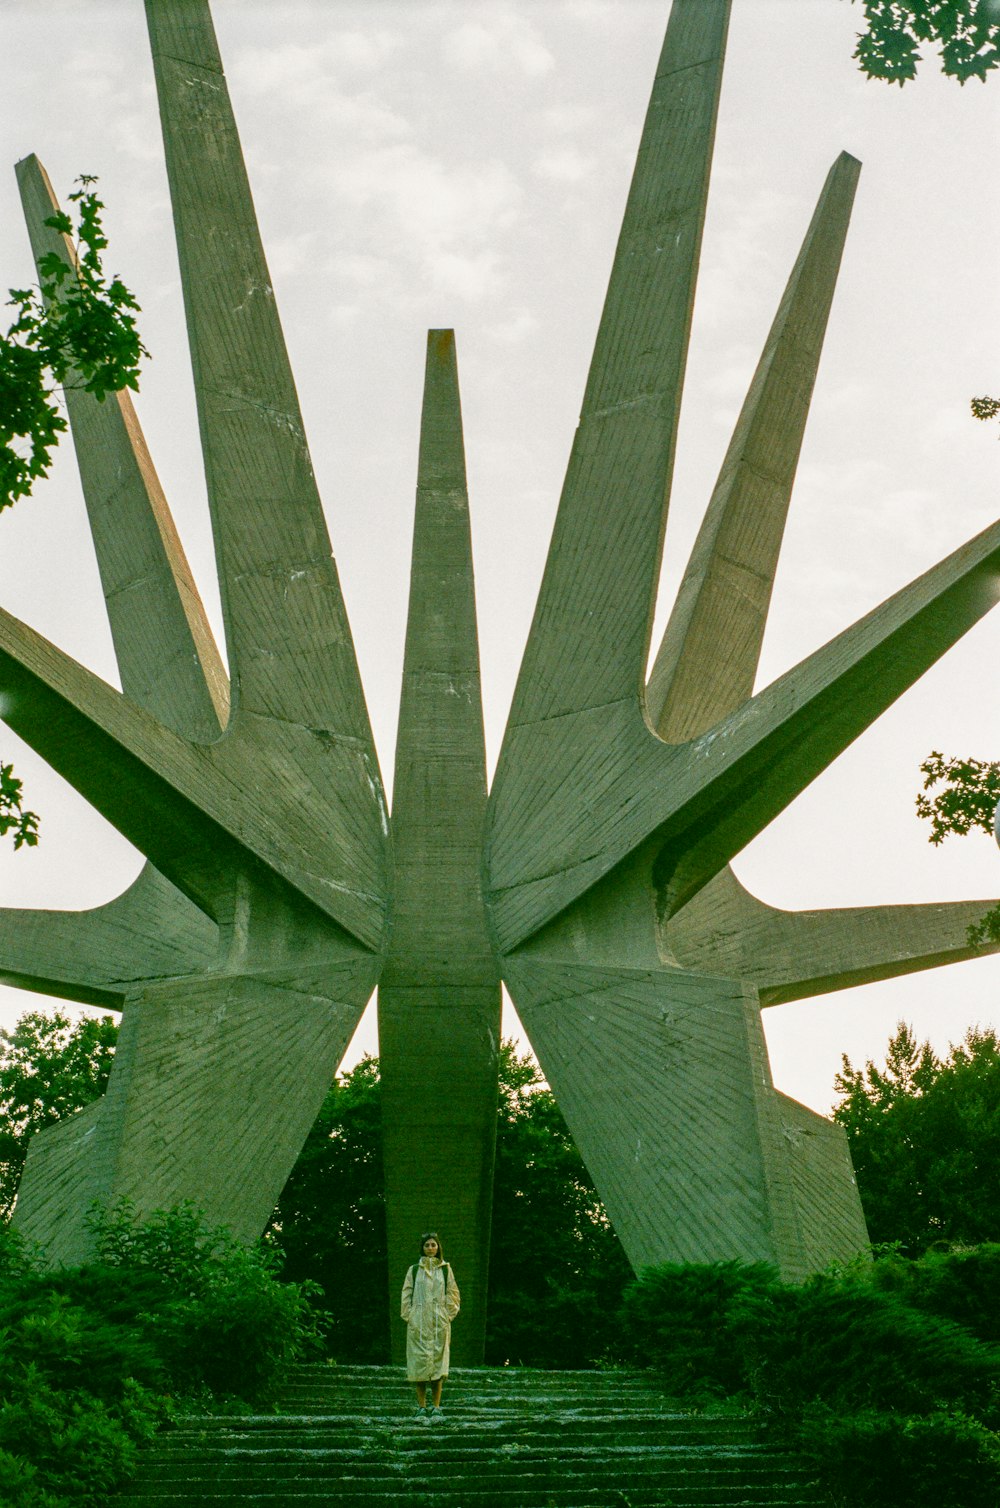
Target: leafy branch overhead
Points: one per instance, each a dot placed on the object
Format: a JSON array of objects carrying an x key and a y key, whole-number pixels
[
  {"x": 76, "y": 328},
  {"x": 966, "y": 31},
  {"x": 967, "y": 800},
  {"x": 13, "y": 817}
]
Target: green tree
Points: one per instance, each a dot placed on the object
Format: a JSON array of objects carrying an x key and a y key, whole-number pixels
[
  {"x": 75, "y": 329},
  {"x": 50, "y": 1067},
  {"x": 924, "y": 1134},
  {"x": 967, "y": 32},
  {"x": 557, "y": 1268},
  {"x": 330, "y": 1219}
]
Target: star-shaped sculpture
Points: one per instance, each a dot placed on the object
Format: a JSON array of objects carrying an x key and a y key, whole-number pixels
[{"x": 594, "y": 878}]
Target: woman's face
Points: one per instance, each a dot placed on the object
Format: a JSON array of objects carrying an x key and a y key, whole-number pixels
[{"x": 430, "y": 1247}]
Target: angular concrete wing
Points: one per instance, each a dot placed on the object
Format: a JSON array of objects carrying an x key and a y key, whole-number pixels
[{"x": 226, "y": 964}]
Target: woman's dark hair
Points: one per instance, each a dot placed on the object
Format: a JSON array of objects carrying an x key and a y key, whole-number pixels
[{"x": 431, "y": 1235}]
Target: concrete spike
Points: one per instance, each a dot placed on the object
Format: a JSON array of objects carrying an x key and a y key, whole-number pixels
[
  {"x": 97, "y": 956},
  {"x": 798, "y": 725},
  {"x": 184, "y": 805},
  {"x": 219, "y": 1116},
  {"x": 793, "y": 955},
  {"x": 691, "y": 1160},
  {"x": 581, "y": 678},
  {"x": 701, "y": 802},
  {"x": 439, "y": 994},
  {"x": 707, "y": 661},
  {"x": 166, "y": 654},
  {"x": 590, "y": 634},
  {"x": 291, "y": 654}
]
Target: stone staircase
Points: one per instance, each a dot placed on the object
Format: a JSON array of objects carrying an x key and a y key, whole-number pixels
[{"x": 348, "y": 1437}]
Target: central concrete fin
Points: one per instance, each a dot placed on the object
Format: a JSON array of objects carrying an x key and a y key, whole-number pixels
[
  {"x": 291, "y": 654},
  {"x": 708, "y": 658},
  {"x": 167, "y": 657},
  {"x": 439, "y": 993},
  {"x": 439, "y": 789}
]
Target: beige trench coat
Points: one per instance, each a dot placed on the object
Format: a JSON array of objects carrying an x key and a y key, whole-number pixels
[{"x": 428, "y": 1309}]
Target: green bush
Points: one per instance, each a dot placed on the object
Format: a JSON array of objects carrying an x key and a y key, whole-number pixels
[
  {"x": 91, "y": 1356},
  {"x": 869, "y": 1460},
  {"x": 847, "y": 1340},
  {"x": 77, "y": 1447},
  {"x": 844, "y": 1343},
  {"x": 960, "y": 1285},
  {"x": 677, "y": 1319},
  {"x": 224, "y": 1321},
  {"x": 78, "y": 1328}
]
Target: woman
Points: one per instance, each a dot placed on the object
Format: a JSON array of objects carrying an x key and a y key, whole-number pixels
[{"x": 430, "y": 1303}]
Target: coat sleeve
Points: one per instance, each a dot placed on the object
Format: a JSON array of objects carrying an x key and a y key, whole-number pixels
[
  {"x": 453, "y": 1298},
  {"x": 407, "y": 1304}
]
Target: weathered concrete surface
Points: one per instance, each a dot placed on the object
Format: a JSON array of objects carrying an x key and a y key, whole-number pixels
[
  {"x": 439, "y": 993},
  {"x": 596, "y": 878},
  {"x": 242, "y": 973}
]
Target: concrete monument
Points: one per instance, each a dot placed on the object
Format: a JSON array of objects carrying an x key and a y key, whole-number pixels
[{"x": 594, "y": 879}]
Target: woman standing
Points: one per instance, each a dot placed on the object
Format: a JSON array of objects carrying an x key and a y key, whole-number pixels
[{"x": 430, "y": 1303}]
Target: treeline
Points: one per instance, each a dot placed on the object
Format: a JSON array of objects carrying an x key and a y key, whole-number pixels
[{"x": 885, "y": 1374}]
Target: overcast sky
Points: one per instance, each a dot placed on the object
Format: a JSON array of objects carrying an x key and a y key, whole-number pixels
[{"x": 419, "y": 165}]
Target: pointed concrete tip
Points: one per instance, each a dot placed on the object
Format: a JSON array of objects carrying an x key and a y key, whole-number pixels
[
  {"x": 440, "y": 342},
  {"x": 29, "y": 165}
]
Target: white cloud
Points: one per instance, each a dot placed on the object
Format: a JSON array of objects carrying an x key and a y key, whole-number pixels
[
  {"x": 563, "y": 164},
  {"x": 470, "y": 275},
  {"x": 293, "y": 67},
  {"x": 446, "y": 216},
  {"x": 498, "y": 39},
  {"x": 510, "y": 332}
]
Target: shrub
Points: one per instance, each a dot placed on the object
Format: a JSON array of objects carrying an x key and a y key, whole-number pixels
[
  {"x": 224, "y": 1320},
  {"x": 70, "y": 1446},
  {"x": 89, "y": 1355},
  {"x": 959, "y": 1284},
  {"x": 842, "y": 1342},
  {"x": 78, "y": 1328},
  {"x": 677, "y": 1319},
  {"x": 872, "y": 1459}
]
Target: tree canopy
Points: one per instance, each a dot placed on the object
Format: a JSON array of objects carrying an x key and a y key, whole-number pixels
[
  {"x": 969, "y": 790},
  {"x": 924, "y": 1134},
  {"x": 50, "y": 1066},
  {"x": 967, "y": 33}
]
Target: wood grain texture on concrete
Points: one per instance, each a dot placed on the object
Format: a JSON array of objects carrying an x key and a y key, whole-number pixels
[
  {"x": 595, "y": 879},
  {"x": 240, "y": 984},
  {"x": 617, "y": 808},
  {"x": 439, "y": 993}
]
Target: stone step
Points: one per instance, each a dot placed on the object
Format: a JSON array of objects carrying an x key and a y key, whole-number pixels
[
  {"x": 526, "y": 1440},
  {"x": 455, "y": 1453},
  {"x": 454, "y": 1424},
  {"x": 463, "y": 1496},
  {"x": 302, "y": 1468}
]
